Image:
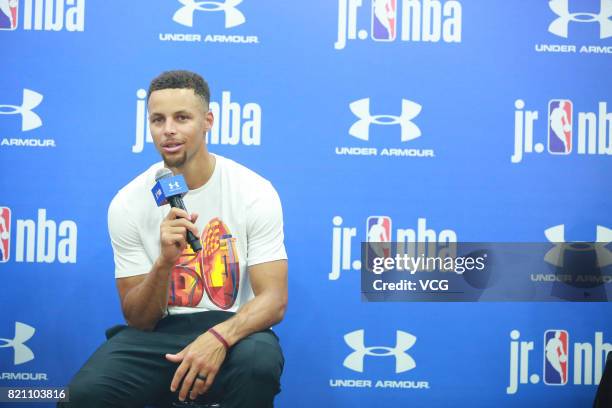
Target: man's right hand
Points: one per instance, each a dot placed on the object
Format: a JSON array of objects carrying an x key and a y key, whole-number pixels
[{"x": 173, "y": 235}]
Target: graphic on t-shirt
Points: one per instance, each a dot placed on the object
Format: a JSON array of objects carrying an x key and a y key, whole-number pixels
[
  {"x": 220, "y": 264},
  {"x": 215, "y": 269},
  {"x": 186, "y": 283}
]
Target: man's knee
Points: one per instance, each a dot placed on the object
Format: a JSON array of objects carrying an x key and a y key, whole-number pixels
[
  {"x": 259, "y": 358},
  {"x": 251, "y": 374},
  {"x": 268, "y": 361},
  {"x": 90, "y": 390}
]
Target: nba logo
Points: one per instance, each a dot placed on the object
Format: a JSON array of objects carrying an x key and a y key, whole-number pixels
[
  {"x": 378, "y": 229},
  {"x": 5, "y": 233},
  {"x": 384, "y": 20},
  {"x": 8, "y": 14},
  {"x": 560, "y": 126},
  {"x": 556, "y": 356}
]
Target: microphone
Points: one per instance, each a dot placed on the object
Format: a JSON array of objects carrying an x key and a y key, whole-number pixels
[{"x": 170, "y": 189}]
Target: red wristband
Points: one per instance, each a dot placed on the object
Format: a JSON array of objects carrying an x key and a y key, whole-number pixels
[{"x": 219, "y": 337}]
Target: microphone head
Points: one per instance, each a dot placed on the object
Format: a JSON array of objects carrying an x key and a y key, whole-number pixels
[
  {"x": 167, "y": 185},
  {"x": 163, "y": 173}
]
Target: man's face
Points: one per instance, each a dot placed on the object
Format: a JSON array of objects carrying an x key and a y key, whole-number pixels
[{"x": 178, "y": 120}]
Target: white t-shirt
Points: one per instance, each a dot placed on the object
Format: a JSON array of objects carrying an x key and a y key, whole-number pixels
[{"x": 240, "y": 223}]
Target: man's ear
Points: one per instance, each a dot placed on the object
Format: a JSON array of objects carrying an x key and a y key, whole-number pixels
[{"x": 210, "y": 120}]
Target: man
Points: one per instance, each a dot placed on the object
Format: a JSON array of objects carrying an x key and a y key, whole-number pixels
[
  {"x": 198, "y": 323},
  {"x": 603, "y": 397}
]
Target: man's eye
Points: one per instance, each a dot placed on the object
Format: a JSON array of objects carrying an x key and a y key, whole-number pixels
[
  {"x": 156, "y": 120},
  {"x": 182, "y": 118}
]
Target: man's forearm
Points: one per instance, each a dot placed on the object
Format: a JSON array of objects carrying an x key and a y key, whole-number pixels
[
  {"x": 260, "y": 313},
  {"x": 146, "y": 302}
]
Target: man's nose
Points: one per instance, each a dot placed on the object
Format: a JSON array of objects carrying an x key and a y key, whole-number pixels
[{"x": 170, "y": 127}]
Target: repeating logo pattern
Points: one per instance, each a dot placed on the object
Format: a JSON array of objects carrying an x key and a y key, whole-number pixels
[
  {"x": 29, "y": 119},
  {"x": 579, "y": 363},
  {"x": 9, "y": 10},
  {"x": 379, "y": 232},
  {"x": 22, "y": 353},
  {"x": 556, "y": 350},
  {"x": 557, "y": 254},
  {"x": 361, "y": 128},
  {"x": 378, "y": 228},
  {"x": 560, "y": 26},
  {"x": 403, "y": 361},
  {"x": 5, "y": 234},
  {"x": 560, "y": 126},
  {"x": 384, "y": 20},
  {"x": 592, "y": 135},
  {"x": 233, "y": 16},
  {"x": 428, "y": 21}
]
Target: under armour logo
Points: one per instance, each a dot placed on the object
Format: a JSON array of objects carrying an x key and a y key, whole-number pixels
[
  {"x": 361, "y": 128},
  {"x": 174, "y": 186},
  {"x": 23, "y": 333},
  {"x": 560, "y": 25},
  {"x": 403, "y": 341},
  {"x": 556, "y": 235},
  {"x": 233, "y": 16},
  {"x": 29, "y": 119}
]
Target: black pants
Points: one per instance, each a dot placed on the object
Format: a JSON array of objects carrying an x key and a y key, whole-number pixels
[
  {"x": 603, "y": 398},
  {"x": 130, "y": 368}
]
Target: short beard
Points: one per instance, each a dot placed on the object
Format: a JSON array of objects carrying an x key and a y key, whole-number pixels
[{"x": 175, "y": 162}]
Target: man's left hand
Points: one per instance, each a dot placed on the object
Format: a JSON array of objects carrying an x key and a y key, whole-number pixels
[{"x": 203, "y": 358}]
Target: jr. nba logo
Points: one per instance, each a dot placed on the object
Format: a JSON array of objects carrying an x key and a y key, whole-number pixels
[
  {"x": 560, "y": 126},
  {"x": 384, "y": 20},
  {"x": 8, "y": 14},
  {"x": 555, "y": 357},
  {"x": 5, "y": 233}
]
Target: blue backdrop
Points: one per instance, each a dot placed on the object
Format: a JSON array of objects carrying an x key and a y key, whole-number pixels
[{"x": 488, "y": 120}]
